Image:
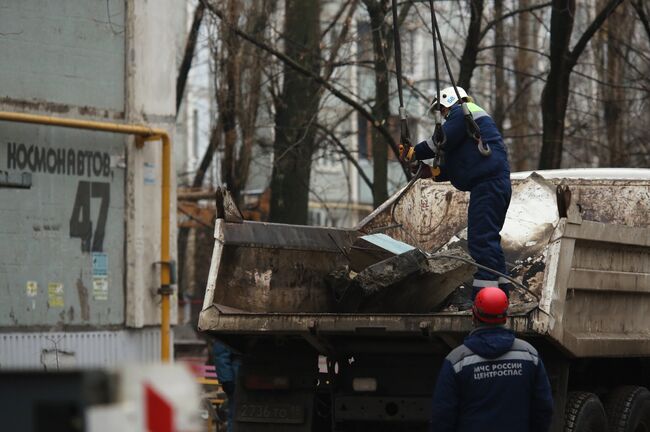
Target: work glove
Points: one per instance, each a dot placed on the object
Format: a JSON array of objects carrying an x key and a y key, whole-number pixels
[
  {"x": 406, "y": 153},
  {"x": 425, "y": 170}
]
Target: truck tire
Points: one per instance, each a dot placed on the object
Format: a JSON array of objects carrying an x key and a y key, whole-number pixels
[
  {"x": 628, "y": 409},
  {"x": 584, "y": 413}
]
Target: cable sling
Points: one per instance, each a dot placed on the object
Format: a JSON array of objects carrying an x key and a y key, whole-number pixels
[
  {"x": 439, "y": 137},
  {"x": 472, "y": 128},
  {"x": 405, "y": 136}
]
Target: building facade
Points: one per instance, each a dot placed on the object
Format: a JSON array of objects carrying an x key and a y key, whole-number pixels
[{"x": 80, "y": 231}]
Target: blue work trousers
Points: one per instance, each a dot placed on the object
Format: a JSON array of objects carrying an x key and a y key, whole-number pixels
[{"x": 488, "y": 204}]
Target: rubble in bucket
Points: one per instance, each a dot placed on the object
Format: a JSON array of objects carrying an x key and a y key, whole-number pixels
[{"x": 390, "y": 276}]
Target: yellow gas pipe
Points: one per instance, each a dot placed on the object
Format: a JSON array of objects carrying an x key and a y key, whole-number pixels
[{"x": 148, "y": 134}]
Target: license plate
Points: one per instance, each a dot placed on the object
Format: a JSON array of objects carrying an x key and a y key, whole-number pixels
[{"x": 269, "y": 413}]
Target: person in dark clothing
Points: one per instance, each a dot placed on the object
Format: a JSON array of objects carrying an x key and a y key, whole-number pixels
[
  {"x": 487, "y": 178},
  {"x": 226, "y": 365},
  {"x": 494, "y": 381}
]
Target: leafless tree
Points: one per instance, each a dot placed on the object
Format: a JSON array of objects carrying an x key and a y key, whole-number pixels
[
  {"x": 295, "y": 115},
  {"x": 237, "y": 77},
  {"x": 563, "y": 59},
  {"x": 188, "y": 53},
  {"x": 382, "y": 52}
]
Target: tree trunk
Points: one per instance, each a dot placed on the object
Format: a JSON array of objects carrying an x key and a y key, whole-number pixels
[
  {"x": 248, "y": 81},
  {"x": 188, "y": 55},
  {"x": 381, "y": 108},
  {"x": 521, "y": 147},
  {"x": 643, "y": 16},
  {"x": 596, "y": 154},
  {"x": 470, "y": 52},
  {"x": 555, "y": 96},
  {"x": 297, "y": 109},
  {"x": 230, "y": 63},
  {"x": 555, "y": 99},
  {"x": 500, "y": 84},
  {"x": 614, "y": 104}
]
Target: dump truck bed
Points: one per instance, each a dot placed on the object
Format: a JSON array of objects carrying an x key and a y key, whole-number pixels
[
  {"x": 221, "y": 320},
  {"x": 581, "y": 246}
]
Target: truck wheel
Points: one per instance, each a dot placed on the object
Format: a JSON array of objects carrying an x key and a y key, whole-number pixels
[
  {"x": 628, "y": 409},
  {"x": 584, "y": 413}
]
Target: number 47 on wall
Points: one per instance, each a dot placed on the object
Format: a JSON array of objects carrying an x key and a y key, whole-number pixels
[{"x": 81, "y": 226}]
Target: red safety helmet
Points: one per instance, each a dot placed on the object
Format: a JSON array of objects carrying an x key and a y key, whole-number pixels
[{"x": 491, "y": 306}]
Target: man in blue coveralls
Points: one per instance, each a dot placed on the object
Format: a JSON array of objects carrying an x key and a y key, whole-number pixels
[
  {"x": 494, "y": 381},
  {"x": 487, "y": 178},
  {"x": 226, "y": 365}
]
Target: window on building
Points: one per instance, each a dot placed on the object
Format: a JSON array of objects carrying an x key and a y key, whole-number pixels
[
  {"x": 363, "y": 136},
  {"x": 408, "y": 51}
]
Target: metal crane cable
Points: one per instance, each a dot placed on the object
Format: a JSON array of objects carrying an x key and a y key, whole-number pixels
[
  {"x": 488, "y": 269},
  {"x": 439, "y": 137},
  {"x": 405, "y": 136},
  {"x": 472, "y": 128}
]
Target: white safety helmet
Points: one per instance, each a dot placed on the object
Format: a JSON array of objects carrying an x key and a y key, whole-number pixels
[{"x": 448, "y": 97}]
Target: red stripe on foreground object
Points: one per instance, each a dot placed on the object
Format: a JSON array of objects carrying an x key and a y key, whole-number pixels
[{"x": 160, "y": 415}]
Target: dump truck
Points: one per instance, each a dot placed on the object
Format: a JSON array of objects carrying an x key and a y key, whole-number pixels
[{"x": 576, "y": 241}]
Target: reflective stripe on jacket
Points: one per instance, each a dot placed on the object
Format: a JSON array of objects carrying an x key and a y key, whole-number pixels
[
  {"x": 463, "y": 165},
  {"x": 493, "y": 382}
]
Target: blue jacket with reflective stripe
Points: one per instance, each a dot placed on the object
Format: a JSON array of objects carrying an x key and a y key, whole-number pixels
[
  {"x": 464, "y": 166},
  {"x": 493, "y": 382}
]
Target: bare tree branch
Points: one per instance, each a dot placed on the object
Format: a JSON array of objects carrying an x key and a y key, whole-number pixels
[
  {"x": 510, "y": 14},
  {"x": 188, "y": 55},
  {"x": 518, "y": 47},
  {"x": 329, "y": 68},
  {"x": 640, "y": 10},
  {"x": 345, "y": 152},
  {"x": 336, "y": 18},
  {"x": 593, "y": 28},
  {"x": 287, "y": 60}
]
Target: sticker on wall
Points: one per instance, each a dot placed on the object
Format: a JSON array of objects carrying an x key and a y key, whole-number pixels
[
  {"x": 55, "y": 294},
  {"x": 100, "y": 264},
  {"x": 149, "y": 173},
  {"x": 31, "y": 289},
  {"x": 100, "y": 287}
]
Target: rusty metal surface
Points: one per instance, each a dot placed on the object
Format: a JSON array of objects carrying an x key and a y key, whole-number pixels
[
  {"x": 279, "y": 236},
  {"x": 420, "y": 293},
  {"x": 193, "y": 215},
  {"x": 607, "y": 297},
  {"x": 431, "y": 213},
  {"x": 557, "y": 258},
  {"x": 277, "y": 268},
  {"x": 226, "y": 207},
  {"x": 426, "y": 216},
  {"x": 213, "y": 320}
]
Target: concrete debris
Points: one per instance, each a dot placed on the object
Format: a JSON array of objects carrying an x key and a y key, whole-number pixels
[
  {"x": 530, "y": 272},
  {"x": 392, "y": 271},
  {"x": 410, "y": 282},
  {"x": 373, "y": 248}
]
